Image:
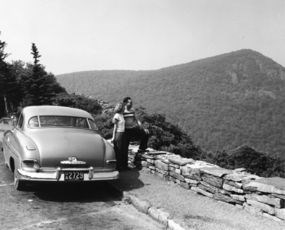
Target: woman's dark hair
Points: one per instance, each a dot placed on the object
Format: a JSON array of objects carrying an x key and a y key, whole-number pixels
[{"x": 125, "y": 100}]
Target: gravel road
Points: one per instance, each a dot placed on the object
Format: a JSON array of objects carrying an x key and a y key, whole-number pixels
[{"x": 66, "y": 206}]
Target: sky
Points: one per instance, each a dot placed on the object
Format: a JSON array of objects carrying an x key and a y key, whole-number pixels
[{"x": 82, "y": 35}]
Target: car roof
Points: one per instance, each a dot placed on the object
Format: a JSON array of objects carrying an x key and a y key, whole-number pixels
[{"x": 51, "y": 110}]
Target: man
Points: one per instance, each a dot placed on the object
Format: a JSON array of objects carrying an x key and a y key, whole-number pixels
[{"x": 133, "y": 127}]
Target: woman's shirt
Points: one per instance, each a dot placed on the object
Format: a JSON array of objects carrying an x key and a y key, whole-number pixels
[{"x": 120, "y": 121}]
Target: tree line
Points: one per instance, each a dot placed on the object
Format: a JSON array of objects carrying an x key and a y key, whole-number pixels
[{"x": 23, "y": 84}]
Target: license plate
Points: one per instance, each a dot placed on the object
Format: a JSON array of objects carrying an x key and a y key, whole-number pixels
[{"x": 73, "y": 176}]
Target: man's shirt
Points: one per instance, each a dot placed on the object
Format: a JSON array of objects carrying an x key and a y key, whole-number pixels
[{"x": 130, "y": 119}]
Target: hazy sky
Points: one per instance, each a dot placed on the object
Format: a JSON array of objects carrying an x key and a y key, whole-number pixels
[{"x": 78, "y": 35}]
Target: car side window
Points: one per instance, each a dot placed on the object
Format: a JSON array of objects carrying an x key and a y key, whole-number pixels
[
  {"x": 92, "y": 125},
  {"x": 33, "y": 122},
  {"x": 81, "y": 123},
  {"x": 20, "y": 121}
]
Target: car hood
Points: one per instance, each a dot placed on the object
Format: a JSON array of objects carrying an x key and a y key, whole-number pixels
[{"x": 56, "y": 145}]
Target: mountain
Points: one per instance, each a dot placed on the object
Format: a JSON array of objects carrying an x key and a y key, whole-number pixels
[{"x": 223, "y": 102}]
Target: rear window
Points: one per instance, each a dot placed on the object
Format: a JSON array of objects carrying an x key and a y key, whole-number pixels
[{"x": 61, "y": 121}]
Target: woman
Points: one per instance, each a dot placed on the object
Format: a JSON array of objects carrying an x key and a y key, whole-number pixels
[{"x": 119, "y": 138}]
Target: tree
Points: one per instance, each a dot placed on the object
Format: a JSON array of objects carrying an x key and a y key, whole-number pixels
[
  {"x": 8, "y": 85},
  {"x": 36, "y": 56},
  {"x": 39, "y": 86},
  {"x": 78, "y": 101}
]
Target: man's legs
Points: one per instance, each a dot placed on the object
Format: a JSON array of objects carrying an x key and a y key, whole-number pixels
[
  {"x": 143, "y": 140},
  {"x": 138, "y": 135}
]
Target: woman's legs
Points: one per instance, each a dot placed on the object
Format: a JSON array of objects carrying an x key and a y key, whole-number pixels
[{"x": 119, "y": 149}]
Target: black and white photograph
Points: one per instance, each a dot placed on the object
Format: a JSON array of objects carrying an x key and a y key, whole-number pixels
[{"x": 142, "y": 114}]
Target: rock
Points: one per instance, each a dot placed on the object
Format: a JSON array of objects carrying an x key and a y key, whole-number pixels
[
  {"x": 238, "y": 197},
  {"x": 266, "y": 185},
  {"x": 185, "y": 170},
  {"x": 161, "y": 165},
  {"x": 141, "y": 205},
  {"x": 159, "y": 215},
  {"x": 151, "y": 167},
  {"x": 180, "y": 160},
  {"x": 276, "y": 202},
  {"x": 216, "y": 171},
  {"x": 213, "y": 180},
  {"x": 162, "y": 171},
  {"x": 280, "y": 213},
  {"x": 277, "y": 182},
  {"x": 232, "y": 189},
  {"x": 163, "y": 158},
  {"x": 233, "y": 183},
  {"x": 172, "y": 225},
  {"x": 144, "y": 164},
  {"x": 239, "y": 170},
  {"x": 150, "y": 161},
  {"x": 270, "y": 216},
  {"x": 155, "y": 153},
  {"x": 205, "y": 186},
  {"x": 171, "y": 168},
  {"x": 175, "y": 166},
  {"x": 262, "y": 206},
  {"x": 150, "y": 157},
  {"x": 225, "y": 198},
  {"x": 193, "y": 174},
  {"x": 201, "y": 191},
  {"x": 191, "y": 182},
  {"x": 239, "y": 177},
  {"x": 202, "y": 164},
  {"x": 178, "y": 171},
  {"x": 177, "y": 176},
  {"x": 279, "y": 196}
]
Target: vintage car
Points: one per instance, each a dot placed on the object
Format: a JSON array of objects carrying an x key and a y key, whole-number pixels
[{"x": 60, "y": 144}]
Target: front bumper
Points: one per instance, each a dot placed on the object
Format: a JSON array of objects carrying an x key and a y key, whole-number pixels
[{"x": 58, "y": 175}]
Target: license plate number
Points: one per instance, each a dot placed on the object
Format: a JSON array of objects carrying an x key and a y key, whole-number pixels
[{"x": 73, "y": 176}]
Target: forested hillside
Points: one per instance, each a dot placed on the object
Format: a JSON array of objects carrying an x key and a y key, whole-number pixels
[{"x": 223, "y": 102}]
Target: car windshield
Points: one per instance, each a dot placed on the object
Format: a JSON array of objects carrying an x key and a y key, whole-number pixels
[{"x": 61, "y": 121}]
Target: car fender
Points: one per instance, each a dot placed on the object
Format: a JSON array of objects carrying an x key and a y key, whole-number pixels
[{"x": 17, "y": 146}]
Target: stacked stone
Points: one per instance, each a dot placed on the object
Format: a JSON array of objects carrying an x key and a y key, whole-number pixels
[
  {"x": 265, "y": 196},
  {"x": 156, "y": 162},
  {"x": 162, "y": 166},
  {"x": 176, "y": 164}
]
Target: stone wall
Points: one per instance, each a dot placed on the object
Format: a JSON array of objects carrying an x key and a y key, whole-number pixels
[{"x": 258, "y": 195}]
